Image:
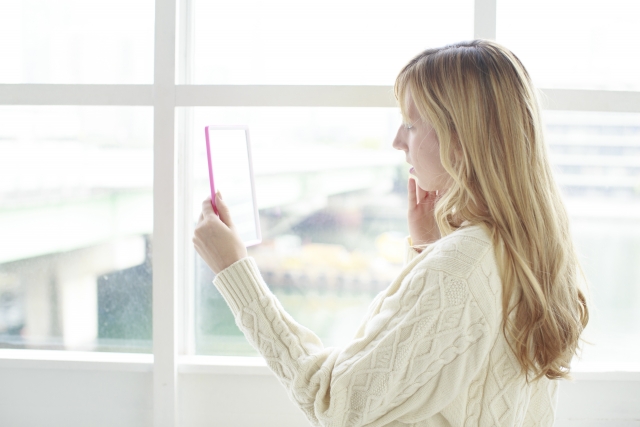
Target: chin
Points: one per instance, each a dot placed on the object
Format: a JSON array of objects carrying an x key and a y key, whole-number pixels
[
  {"x": 420, "y": 184},
  {"x": 428, "y": 188}
]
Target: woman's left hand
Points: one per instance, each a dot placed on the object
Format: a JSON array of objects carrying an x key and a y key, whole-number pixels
[
  {"x": 215, "y": 238},
  {"x": 423, "y": 228}
]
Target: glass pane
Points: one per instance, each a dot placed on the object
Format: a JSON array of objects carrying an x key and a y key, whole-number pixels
[
  {"x": 356, "y": 42},
  {"x": 577, "y": 44},
  {"x": 332, "y": 197},
  {"x": 76, "y": 41},
  {"x": 597, "y": 160},
  {"x": 75, "y": 225},
  {"x": 331, "y": 192}
]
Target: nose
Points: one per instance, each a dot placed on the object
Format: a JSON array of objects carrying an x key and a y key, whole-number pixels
[{"x": 398, "y": 142}]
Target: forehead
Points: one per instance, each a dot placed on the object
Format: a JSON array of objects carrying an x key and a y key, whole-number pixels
[{"x": 408, "y": 107}]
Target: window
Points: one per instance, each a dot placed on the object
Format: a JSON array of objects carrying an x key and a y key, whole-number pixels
[
  {"x": 330, "y": 42},
  {"x": 596, "y": 156},
  {"x": 332, "y": 195},
  {"x": 84, "y": 83},
  {"x": 75, "y": 41},
  {"x": 76, "y": 224},
  {"x": 574, "y": 44}
]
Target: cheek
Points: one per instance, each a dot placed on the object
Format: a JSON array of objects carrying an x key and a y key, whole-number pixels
[{"x": 429, "y": 156}]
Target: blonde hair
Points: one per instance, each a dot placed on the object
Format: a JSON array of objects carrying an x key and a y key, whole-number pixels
[{"x": 482, "y": 104}]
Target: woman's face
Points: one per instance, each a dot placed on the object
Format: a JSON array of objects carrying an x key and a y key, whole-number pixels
[{"x": 419, "y": 142}]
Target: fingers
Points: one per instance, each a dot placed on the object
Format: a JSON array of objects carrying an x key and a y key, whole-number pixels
[
  {"x": 207, "y": 207},
  {"x": 418, "y": 196},
  {"x": 416, "y": 193},
  {"x": 421, "y": 194},
  {"x": 223, "y": 210},
  {"x": 208, "y": 211},
  {"x": 411, "y": 188}
]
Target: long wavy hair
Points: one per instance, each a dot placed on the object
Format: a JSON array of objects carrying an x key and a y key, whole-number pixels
[{"x": 485, "y": 111}]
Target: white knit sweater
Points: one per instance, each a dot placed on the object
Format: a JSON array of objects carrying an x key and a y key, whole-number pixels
[{"x": 430, "y": 351}]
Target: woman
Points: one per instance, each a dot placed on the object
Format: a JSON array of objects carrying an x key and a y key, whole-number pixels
[{"x": 487, "y": 313}]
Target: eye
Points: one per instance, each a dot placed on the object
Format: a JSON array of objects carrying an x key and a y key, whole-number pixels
[{"x": 408, "y": 126}]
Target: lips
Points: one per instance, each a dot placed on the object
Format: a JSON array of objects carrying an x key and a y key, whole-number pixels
[{"x": 412, "y": 170}]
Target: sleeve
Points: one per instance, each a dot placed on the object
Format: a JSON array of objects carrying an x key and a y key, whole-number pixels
[
  {"x": 409, "y": 252},
  {"x": 424, "y": 342},
  {"x": 542, "y": 406}
]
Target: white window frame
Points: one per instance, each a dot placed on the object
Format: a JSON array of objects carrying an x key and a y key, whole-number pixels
[{"x": 173, "y": 335}]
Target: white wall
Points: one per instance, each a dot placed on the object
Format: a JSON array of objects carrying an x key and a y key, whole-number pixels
[
  {"x": 51, "y": 397},
  {"x": 70, "y": 398},
  {"x": 236, "y": 401}
]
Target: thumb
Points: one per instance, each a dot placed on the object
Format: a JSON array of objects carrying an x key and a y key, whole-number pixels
[{"x": 223, "y": 210}]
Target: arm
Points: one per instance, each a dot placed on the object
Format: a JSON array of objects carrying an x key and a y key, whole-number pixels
[
  {"x": 544, "y": 395},
  {"x": 410, "y": 253},
  {"x": 425, "y": 340}
]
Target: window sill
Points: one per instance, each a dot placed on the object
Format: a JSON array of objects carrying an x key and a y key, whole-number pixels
[
  {"x": 605, "y": 371},
  {"x": 75, "y": 360},
  {"x": 228, "y": 365},
  {"x": 223, "y": 365}
]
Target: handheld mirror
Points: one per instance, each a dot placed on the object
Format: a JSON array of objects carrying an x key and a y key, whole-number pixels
[{"x": 231, "y": 172}]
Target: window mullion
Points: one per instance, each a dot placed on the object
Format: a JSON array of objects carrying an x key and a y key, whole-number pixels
[
  {"x": 484, "y": 20},
  {"x": 285, "y": 96},
  {"x": 165, "y": 255},
  {"x": 591, "y": 100},
  {"x": 184, "y": 140},
  {"x": 187, "y": 95},
  {"x": 76, "y": 94},
  {"x": 378, "y": 96}
]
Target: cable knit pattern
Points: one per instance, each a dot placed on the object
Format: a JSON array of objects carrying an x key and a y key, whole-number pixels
[{"x": 429, "y": 351}]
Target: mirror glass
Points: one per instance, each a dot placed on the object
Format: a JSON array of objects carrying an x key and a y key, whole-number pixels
[{"x": 231, "y": 173}]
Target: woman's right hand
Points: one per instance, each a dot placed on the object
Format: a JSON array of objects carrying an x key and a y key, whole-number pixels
[{"x": 422, "y": 221}]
